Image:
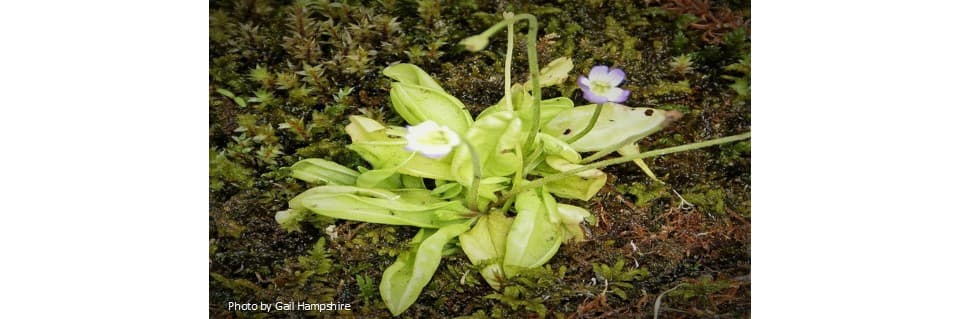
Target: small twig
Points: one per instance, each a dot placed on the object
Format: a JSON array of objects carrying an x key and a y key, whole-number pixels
[
  {"x": 353, "y": 232},
  {"x": 656, "y": 304},
  {"x": 684, "y": 204},
  {"x": 603, "y": 215}
]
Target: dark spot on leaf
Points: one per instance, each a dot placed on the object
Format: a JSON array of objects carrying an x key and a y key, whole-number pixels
[
  {"x": 649, "y": 112},
  {"x": 567, "y": 131}
]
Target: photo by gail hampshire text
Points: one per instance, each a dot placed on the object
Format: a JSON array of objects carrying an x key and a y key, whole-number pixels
[{"x": 287, "y": 306}]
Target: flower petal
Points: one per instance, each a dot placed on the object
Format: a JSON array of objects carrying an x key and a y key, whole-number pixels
[
  {"x": 600, "y": 73},
  {"x": 452, "y": 138},
  {"x": 616, "y": 77},
  {"x": 435, "y": 151},
  {"x": 616, "y": 95},
  {"x": 594, "y": 98},
  {"x": 624, "y": 94},
  {"x": 430, "y": 139},
  {"x": 583, "y": 83}
]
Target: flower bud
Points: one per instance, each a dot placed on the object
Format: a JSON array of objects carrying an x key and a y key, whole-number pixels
[{"x": 475, "y": 43}]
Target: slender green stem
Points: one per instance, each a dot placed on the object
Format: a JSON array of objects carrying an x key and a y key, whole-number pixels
[
  {"x": 531, "y": 60},
  {"x": 497, "y": 27},
  {"x": 534, "y": 75},
  {"x": 536, "y": 159},
  {"x": 518, "y": 178},
  {"x": 506, "y": 68},
  {"x": 508, "y": 21},
  {"x": 507, "y": 203},
  {"x": 593, "y": 121},
  {"x": 613, "y": 161},
  {"x": 474, "y": 199},
  {"x": 610, "y": 149},
  {"x": 520, "y": 173}
]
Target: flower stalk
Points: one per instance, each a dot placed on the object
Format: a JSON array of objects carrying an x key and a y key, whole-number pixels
[
  {"x": 508, "y": 63},
  {"x": 435, "y": 141},
  {"x": 534, "y": 76},
  {"x": 474, "y": 199},
  {"x": 623, "y": 159},
  {"x": 593, "y": 121},
  {"x": 480, "y": 41}
]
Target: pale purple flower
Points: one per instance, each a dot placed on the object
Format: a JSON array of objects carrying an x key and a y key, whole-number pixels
[{"x": 600, "y": 86}]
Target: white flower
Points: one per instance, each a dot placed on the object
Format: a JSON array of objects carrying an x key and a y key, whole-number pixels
[
  {"x": 431, "y": 140},
  {"x": 600, "y": 86}
]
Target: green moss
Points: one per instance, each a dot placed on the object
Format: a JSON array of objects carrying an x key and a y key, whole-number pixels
[
  {"x": 667, "y": 88},
  {"x": 682, "y": 64},
  {"x": 645, "y": 192},
  {"x": 223, "y": 172},
  {"x": 707, "y": 198},
  {"x": 531, "y": 290},
  {"x": 741, "y": 83},
  {"x": 617, "y": 279}
]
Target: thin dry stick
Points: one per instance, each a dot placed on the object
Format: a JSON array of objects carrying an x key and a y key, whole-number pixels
[{"x": 656, "y": 304}]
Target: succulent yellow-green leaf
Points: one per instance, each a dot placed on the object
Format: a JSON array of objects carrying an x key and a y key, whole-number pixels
[
  {"x": 412, "y": 182},
  {"x": 417, "y": 98},
  {"x": 533, "y": 238},
  {"x": 571, "y": 217},
  {"x": 379, "y": 178},
  {"x": 362, "y": 128},
  {"x": 371, "y": 141},
  {"x": 616, "y": 124},
  {"x": 485, "y": 245},
  {"x": 411, "y": 74},
  {"x": 549, "y": 109},
  {"x": 403, "y": 281},
  {"x": 316, "y": 171},
  {"x": 554, "y": 73},
  {"x": 577, "y": 187},
  {"x": 384, "y": 155},
  {"x": 340, "y": 189},
  {"x": 349, "y": 208},
  {"x": 374, "y": 206},
  {"x": 417, "y": 104},
  {"x": 495, "y": 139},
  {"x": 490, "y": 185},
  {"x": 523, "y": 104},
  {"x": 563, "y": 165},
  {"x": 424, "y": 197},
  {"x": 554, "y": 146},
  {"x": 388, "y": 177},
  {"x": 447, "y": 190}
]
